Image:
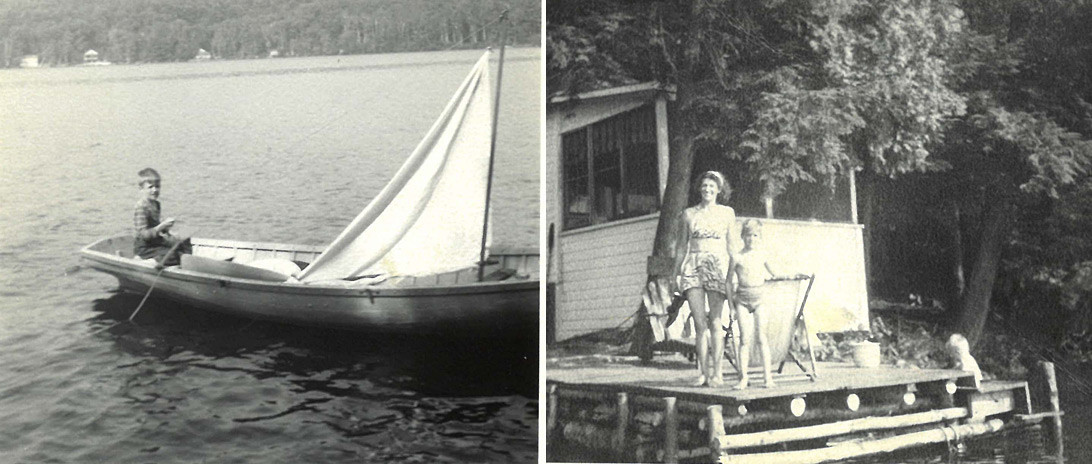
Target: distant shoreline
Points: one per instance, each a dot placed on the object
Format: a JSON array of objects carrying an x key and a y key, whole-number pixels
[{"x": 137, "y": 63}]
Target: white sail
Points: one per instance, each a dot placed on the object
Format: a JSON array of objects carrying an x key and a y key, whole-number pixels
[{"x": 428, "y": 219}]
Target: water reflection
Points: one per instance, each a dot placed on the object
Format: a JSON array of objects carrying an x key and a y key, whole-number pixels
[
  {"x": 321, "y": 359},
  {"x": 384, "y": 397},
  {"x": 1025, "y": 445}
]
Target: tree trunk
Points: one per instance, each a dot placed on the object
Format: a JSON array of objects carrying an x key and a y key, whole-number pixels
[
  {"x": 657, "y": 296},
  {"x": 959, "y": 281},
  {"x": 866, "y": 200},
  {"x": 975, "y": 305},
  {"x": 676, "y": 192}
]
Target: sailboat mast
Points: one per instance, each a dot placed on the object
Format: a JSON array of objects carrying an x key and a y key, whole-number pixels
[{"x": 493, "y": 145}]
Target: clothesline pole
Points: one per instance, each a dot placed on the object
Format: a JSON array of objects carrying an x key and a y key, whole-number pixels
[{"x": 492, "y": 146}]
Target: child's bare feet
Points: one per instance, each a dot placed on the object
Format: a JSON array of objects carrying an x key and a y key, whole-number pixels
[
  {"x": 700, "y": 382},
  {"x": 715, "y": 381},
  {"x": 742, "y": 383}
]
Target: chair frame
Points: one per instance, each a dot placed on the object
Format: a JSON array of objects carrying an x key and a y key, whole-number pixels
[{"x": 799, "y": 321}]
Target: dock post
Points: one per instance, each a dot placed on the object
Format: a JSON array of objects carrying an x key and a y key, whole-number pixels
[
  {"x": 671, "y": 431},
  {"x": 551, "y": 409},
  {"x": 1055, "y": 407},
  {"x": 619, "y": 439},
  {"x": 715, "y": 418}
]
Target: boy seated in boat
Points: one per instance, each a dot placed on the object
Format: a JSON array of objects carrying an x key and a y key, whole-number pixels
[
  {"x": 752, "y": 269},
  {"x": 152, "y": 237}
]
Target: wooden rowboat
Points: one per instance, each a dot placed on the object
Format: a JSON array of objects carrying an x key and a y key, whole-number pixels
[{"x": 217, "y": 277}]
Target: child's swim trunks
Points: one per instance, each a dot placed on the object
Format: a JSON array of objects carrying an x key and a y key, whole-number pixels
[
  {"x": 749, "y": 297},
  {"x": 706, "y": 270}
]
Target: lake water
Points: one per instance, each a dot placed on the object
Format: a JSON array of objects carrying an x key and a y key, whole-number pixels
[
  {"x": 287, "y": 151},
  {"x": 1029, "y": 445}
]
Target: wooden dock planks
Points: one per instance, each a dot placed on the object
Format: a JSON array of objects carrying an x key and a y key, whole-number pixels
[{"x": 667, "y": 377}]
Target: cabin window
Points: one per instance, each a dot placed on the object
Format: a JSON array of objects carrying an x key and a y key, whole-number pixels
[{"x": 610, "y": 169}]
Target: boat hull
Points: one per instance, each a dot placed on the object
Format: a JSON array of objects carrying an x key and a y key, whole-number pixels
[{"x": 508, "y": 307}]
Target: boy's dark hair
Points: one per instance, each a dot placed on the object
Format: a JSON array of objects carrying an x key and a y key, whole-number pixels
[
  {"x": 147, "y": 175},
  {"x": 722, "y": 184}
]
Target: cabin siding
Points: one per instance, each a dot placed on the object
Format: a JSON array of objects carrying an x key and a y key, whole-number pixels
[
  {"x": 604, "y": 269},
  {"x": 601, "y": 275}
]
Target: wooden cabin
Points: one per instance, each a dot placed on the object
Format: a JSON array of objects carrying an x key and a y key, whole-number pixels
[
  {"x": 202, "y": 55},
  {"x": 605, "y": 171},
  {"x": 90, "y": 56}
]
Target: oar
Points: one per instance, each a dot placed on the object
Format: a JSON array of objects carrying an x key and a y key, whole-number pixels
[{"x": 159, "y": 265}]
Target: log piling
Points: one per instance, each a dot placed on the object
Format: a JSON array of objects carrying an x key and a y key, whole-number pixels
[{"x": 848, "y": 413}]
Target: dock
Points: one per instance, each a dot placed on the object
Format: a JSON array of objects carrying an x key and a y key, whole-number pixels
[{"x": 618, "y": 408}]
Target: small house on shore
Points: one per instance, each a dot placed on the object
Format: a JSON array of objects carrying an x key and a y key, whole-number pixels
[
  {"x": 90, "y": 56},
  {"x": 202, "y": 55},
  {"x": 605, "y": 171},
  {"x": 29, "y": 61}
]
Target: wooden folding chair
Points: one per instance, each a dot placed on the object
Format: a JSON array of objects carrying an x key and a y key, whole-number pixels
[{"x": 798, "y": 321}]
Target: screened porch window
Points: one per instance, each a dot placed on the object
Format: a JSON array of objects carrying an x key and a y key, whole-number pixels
[{"x": 610, "y": 169}]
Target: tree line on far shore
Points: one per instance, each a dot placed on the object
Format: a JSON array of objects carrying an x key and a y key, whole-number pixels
[{"x": 59, "y": 32}]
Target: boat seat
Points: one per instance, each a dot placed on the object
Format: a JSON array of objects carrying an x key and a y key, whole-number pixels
[
  {"x": 499, "y": 275},
  {"x": 468, "y": 275}
]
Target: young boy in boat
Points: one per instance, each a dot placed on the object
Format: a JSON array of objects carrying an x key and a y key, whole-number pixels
[
  {"x": 752, "y": 269},
  {"x": 152, "y": 237}
]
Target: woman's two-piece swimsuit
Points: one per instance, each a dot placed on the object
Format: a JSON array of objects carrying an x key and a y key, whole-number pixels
[{"x": 708, "y": 268}]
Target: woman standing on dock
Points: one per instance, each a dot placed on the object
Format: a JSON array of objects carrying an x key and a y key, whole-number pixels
[{"x": 702, "y": 257}]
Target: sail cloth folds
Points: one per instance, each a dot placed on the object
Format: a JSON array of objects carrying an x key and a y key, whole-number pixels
[{"x": 428, "y": 218}]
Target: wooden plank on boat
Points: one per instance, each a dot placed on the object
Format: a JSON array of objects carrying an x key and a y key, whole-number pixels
[
  {"x": 852, "y": 450},
  {"x": 229, "y": 269},
  {"x": 770, "y": 437}
]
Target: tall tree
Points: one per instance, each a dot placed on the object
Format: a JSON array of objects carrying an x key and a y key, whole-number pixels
[{"x": 712, "y": 53}]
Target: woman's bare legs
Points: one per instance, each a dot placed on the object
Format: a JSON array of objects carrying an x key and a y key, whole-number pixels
[
  {"x": 716, "y": 321},
  {"x": 746, "y": 329},
  {"x": 695, "y": 297}
]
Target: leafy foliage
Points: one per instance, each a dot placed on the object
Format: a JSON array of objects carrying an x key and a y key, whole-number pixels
[{"x": 881, "y": 102}]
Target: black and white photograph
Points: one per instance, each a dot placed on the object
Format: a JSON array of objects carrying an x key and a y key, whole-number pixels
[
  {"x": 817, "y": 231},
  {"x": 274, "y": 231}
]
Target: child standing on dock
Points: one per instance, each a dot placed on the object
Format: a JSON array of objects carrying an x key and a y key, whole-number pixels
[
  {"x": 752, "y": 269},
  {"x": 152, "y": 237}
]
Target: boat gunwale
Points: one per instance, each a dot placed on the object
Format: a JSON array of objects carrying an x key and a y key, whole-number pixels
[{"x": 124, "y": 265}]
